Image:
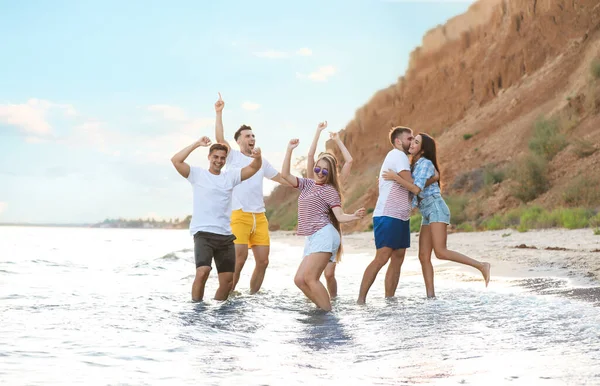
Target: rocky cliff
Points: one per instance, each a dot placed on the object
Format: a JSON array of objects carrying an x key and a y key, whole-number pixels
[{"x": 479, "y": 84}]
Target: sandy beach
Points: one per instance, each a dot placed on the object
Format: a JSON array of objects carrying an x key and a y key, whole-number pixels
[{"x": 550, "y": 252}]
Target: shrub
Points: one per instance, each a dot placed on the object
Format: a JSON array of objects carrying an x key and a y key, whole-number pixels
[
  {"x": 531, "y": 176},
  {"x": 547, "y": 140},
  {"x": 582, "y": 191},
  {"x": 530, "y": 217},
  {"x": 492, "y": 175},
  {"x": 583, "y": 148},
  {"x": 595, "y": 221},
  {"x": 457, "y": 205},
  {"x": 595, "y": 68},
  {"x": 494, "y": 223},
  {"x": 575, "y": 218},
  {"x": 513, "y": 218},
  {"x": 467, "y": 136},
  {"x": 466, "y": 227},
  {"x": 415, "y": 222}
]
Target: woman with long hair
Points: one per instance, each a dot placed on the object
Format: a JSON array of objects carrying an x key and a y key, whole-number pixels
[
  {"x": 319, "y": 217},
  {"x": 344, "y": 172},
  {"x": 434, "y": 211}
]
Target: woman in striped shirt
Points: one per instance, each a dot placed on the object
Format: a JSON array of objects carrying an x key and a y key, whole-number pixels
[
  {"x": 345, "y": 171},
  {"x": 434, "y": 211},
  {"x": 319, "y": 217}
]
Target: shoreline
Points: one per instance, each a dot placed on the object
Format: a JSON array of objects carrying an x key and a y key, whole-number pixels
[{"x": 551, "y": 252}]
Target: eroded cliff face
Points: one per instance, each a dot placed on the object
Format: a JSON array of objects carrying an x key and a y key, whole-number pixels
[{"x": 489, "y": 73}]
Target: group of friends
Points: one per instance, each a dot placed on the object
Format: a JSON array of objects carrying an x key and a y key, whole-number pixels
[{"x": 229, "y": 217}]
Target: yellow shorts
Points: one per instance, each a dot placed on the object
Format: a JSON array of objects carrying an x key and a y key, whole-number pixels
[{"x": 250, "y": 228}]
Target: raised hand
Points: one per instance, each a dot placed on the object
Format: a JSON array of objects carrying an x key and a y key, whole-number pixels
[
  {"x": 293, "y": 143},
  {"x": 256, "y": 153},
  {"x": 204, "y": 141},
  {"x": 322, "y": 126},
  {"x": 334, "y": 136},
  {"x": 389, "y": 175},
  {"x": 219, "y": 104},
  {"x": 360, "y": 213}
]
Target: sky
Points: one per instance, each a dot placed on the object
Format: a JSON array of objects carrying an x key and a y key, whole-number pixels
[{"x": 97, "y": 96}]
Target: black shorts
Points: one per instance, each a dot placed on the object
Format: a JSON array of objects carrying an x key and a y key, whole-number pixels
[{"x": 208, "y": 245}]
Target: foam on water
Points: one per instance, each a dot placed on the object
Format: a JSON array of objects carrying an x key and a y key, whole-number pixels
[{"x": 101, "y": 306}]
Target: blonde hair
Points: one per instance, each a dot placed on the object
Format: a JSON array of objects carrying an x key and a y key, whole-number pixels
[{"x": 333, "y": 180}]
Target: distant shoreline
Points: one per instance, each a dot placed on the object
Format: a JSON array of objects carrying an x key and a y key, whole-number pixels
[{"x": 94, "y": 226}]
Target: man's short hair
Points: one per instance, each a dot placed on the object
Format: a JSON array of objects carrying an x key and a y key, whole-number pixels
[
  {"x": 218, "y": 146},
  {"x": 397, "y": 131},
  {"x": 239, "y": 131}
]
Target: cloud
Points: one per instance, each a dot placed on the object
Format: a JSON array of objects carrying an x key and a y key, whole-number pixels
[
  {"x": 320, "y": 75},
  {"x": 31, "y": 117},
  {"x": 171, "y": 113},
  {"x": 271, "y": 54},
  {"x": 250, "y": 106},
  {"x": 304, "y": 52}
]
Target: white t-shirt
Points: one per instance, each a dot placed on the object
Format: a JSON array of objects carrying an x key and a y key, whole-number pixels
[
  {"x": 394, "y": 200},
  {"x": 248, "y": 196},
  {"x": 212, "y": 199}
]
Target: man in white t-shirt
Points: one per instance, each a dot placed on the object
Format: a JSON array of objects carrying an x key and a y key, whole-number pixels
[
  {"x": 248, "y": 220},
  {"x": 391, "y": 217},
  {"x": 212, "y": 190}
]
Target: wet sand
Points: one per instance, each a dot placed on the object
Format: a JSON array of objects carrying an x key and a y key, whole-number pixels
[{"x": 558, "y": 253}]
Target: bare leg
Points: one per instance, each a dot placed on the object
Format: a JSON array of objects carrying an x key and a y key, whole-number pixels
[
  {"x": 439, "y": 236},
  {"x": 316, "y": 263},
  {"x": 381, "y": 258},
  {"x": 241, "y": 254},
  {"x": 225, "y": 284},
  {"x": 425, "y": 250},
  {"x": 392, "y": 276},
  {"x": 261, "y": 257},
  {"x": 330, "y": 279},
  {"x": 300, "y": 282},
  {"x": 199, "y": 283}
]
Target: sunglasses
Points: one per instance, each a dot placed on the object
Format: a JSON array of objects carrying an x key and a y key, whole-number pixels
[{"x": 318, "y": 170}]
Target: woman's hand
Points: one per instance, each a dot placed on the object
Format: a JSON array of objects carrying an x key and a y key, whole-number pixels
[
  {"x": 389, "y": 175},
  {"x": 293, "y": 144},
  {"x": 360, "y": 213}
]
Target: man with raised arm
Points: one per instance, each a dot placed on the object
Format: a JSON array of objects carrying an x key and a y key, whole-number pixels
[
  {"x": 210, "y": 225},
  {"x": 248, "y": 220}
]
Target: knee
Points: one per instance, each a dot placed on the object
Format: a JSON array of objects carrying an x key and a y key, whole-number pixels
[
  {"x": 241, "y": 256},
  {"x": 398, "y": 259},
  {"x": 425, "y": 258},
  {"x": 262, "y": 263},
  {"x": 227, "y": 284},
  {"x": 381, "y": 260},
  {"x": 440, "y": 253},
  {"x": 329, "y": 274},
  {"x": 299, "y": 281},
  {"x": 202, "y": 273}
]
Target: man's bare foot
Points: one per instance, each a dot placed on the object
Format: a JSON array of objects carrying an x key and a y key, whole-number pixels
[
  {"x": 486, "y": 272},
  {"x": 360, "y": 301}
]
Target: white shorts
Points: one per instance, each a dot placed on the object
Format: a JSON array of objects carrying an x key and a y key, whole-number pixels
[{"x": 326, "y": 239}]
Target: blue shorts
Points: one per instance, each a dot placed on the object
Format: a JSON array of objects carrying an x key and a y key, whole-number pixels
[
  {"x": 326, "y": 239},
  {"x": 434, "y": 209},
  {"x": 391, "y": 232}
]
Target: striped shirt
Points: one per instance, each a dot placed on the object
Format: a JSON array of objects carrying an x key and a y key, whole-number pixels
[
  {"x": 394, "y": 200},
  {"x": 313, "y": 205},
  {"x": 422, "y": 171}
]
